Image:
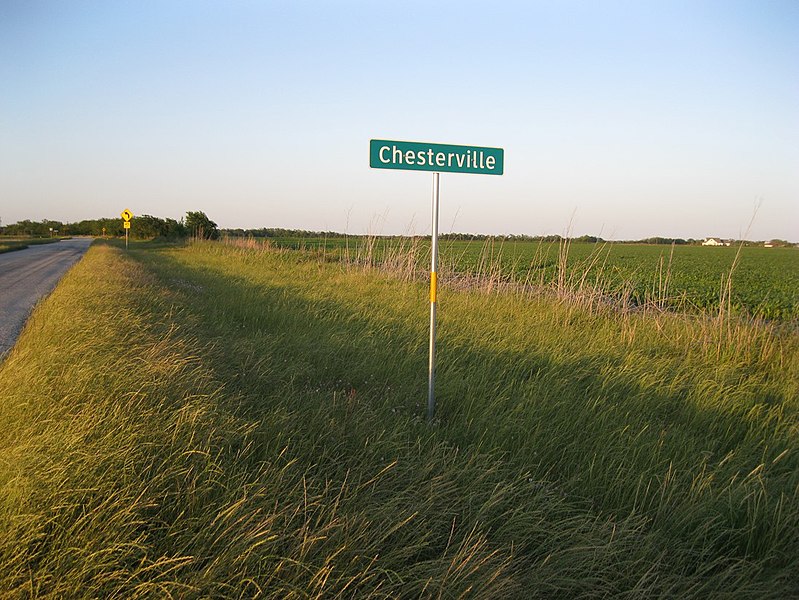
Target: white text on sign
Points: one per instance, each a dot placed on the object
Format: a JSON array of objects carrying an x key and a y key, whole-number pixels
[{"x": 446, "y": 158}]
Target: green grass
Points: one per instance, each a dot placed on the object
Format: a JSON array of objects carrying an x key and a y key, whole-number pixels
[
  {"x": 211, "y": 421},
  {"x": 765, "y": 281}
]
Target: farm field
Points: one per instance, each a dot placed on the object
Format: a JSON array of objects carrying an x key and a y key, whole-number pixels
[
  {"x": 219, "y": 421},
  {"x": 765, "y": 281}
]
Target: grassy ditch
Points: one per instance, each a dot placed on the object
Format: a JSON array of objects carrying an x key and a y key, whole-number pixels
[
  {"x": 211, "y": 421},
  {"x": 11, "y": 244}
]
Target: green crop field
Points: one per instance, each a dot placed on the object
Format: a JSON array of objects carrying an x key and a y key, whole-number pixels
[
  {"x": 218, "y": 421},
  {"x": 764, "y": 281}
]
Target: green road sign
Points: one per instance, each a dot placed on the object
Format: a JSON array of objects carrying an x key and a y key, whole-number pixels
[{"x": 440, "y": 158}]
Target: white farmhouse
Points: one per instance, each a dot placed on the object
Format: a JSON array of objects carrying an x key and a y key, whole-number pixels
[{"x": 713, "y": 242}]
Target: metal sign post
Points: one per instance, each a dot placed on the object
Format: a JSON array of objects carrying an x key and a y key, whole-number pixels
[
  {"x": 431, "y": 379},
  {"x": 126, "y": 217},
  {"x": 438, "y": 158}
]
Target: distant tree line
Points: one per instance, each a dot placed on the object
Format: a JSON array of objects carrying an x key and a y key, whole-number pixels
[
  {"x": 276, "y": 232},
  {"x": 143, "y": 227},
  {"x": 270, "y": 232},
  {"x": 665, "y": 240},
  {"x": 777, "y": 243},
  {"x": 196, "y": 224},
  {"x": 588, "y": 239}
]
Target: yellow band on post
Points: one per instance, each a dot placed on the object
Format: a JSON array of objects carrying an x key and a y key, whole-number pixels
[{"x": 433, "y": 283}]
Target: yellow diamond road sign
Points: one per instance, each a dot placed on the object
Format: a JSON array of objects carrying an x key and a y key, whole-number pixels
[{"x": 127, "y": 215}]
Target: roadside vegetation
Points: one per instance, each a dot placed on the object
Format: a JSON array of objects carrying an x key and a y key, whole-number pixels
[
  {"x": 195, "y": 224},
  {"x": 241, "y": 420},
  {"x": 749, "y": 281},
  {"x": 10, "y": 243}
]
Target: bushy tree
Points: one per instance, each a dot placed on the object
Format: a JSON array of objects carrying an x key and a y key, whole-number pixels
[
  {"x": 149, "y": 227},
  {"x": 33, "y": 228},
  {"x": 198, "y": 225},
  {"x": 144, "y": 227},
  {"x": 592, "y": 239}
]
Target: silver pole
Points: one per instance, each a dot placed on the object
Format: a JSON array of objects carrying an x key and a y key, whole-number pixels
[
  {"x": 431, "y": 399},
  {"x": 126, "y": 238}
]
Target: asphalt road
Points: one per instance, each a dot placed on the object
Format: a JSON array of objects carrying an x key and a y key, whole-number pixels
[{"x": 28, "y": 275}]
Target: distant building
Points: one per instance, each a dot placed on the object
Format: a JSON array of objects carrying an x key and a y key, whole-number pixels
[{"x": 715, "y": 242}]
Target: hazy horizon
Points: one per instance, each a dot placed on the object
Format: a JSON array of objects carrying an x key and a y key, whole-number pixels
[{"x": 617, "y": 119}]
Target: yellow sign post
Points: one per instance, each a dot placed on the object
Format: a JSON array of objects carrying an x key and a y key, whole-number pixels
[{"x": 126, "y": 216}]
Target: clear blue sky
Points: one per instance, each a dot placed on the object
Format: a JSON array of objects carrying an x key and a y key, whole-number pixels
[{"x": 620, "y": 119}]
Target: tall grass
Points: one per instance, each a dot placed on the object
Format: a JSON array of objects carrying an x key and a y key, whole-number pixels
[
  {"x": 590, "y": 281},
  {"x": 629, "y": 275},
  {"x": 217, "y": 421}
]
